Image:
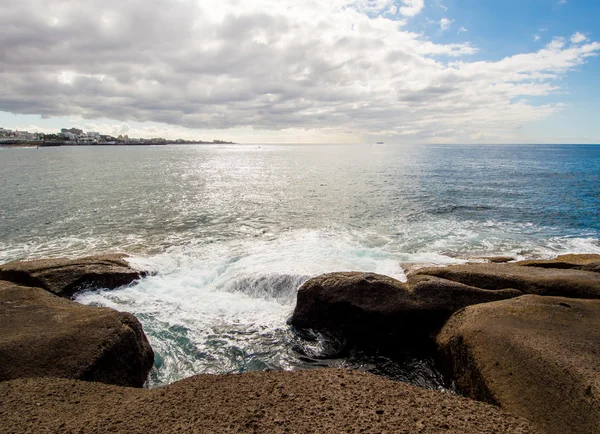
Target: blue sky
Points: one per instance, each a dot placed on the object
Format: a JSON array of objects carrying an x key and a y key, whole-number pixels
[
  {"x": 504, "y": 28},
  {"x": 403, "y": 71}
]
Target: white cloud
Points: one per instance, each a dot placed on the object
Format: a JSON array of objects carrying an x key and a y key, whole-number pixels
[
  {"x": 462, "y": 29},
  {"x": 536, "y": 37},
  {"x": 445, "y": 24},
  {"x": 267, "y": 68},
  {"x": 411, "y": 7},
  {"x": 578, "y": 38}
]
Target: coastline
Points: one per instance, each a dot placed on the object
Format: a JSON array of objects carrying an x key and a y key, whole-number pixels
[
  {"x": 35, "y": 144},
  {"x": 469, "y": 312}
]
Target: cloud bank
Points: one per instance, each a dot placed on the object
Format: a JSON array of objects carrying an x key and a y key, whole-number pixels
[{"x": 338, "y": 66}]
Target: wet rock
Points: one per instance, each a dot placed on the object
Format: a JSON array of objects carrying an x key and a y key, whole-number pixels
[
  {"x": 376, "y": 307},
  {"x": 317, "y": 401},
  {"x": 410, "y": 267},
  {"x": 64, "y": 277},
  {"x": 536, "y": 357},
  {"x": 573, "y": 262},
  {"x": 47, "y": 336},
  {"x": 527, "y": 279}
]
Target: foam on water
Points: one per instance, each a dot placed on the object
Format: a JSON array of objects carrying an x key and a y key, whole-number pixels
[
  {"x": 223, "y": 307},
  {"x": 231, "y": 232}
]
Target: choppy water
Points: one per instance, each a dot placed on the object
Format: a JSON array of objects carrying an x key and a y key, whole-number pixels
[{"x": 233, "y": 230}]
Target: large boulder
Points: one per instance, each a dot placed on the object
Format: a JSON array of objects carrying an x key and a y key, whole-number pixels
[
  {"x": 64, "y": 277},
  {"x": 536, "y": 357},
  {"x": 528, "y": 279},
  {"x": 316, "y": 401},
  {"x": 47, "y": 336},
  {"x": 589, "y": 262},
  {"x": 377, "y": 307}
]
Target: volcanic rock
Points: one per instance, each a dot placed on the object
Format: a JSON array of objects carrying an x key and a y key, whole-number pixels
[
  {"x": 64, "y": 277},
  {"x": 317, "y": 401},
  {"x": 574, "y": 262},
  {"x": 537, "y": 357},
  {"x": 497, "y": 259},
  {"x": 528, "y": 279},
  {"x": 47, "y": 336},
  {"x": 377, "y": 307}
]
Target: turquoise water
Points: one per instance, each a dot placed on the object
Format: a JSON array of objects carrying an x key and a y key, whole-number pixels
[{"x": 232, "y": 230}]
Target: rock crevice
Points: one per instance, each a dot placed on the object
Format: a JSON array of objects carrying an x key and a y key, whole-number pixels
[{"x": 64, "y": 277}]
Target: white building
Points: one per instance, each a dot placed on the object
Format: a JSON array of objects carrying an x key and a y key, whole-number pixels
[
  {"x": 25, "y": 136},
  {"x": 68, "y": 136}
]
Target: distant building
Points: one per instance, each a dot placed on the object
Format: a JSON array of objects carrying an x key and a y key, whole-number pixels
[
  {"x": 25, "y": 136},
  {"x": 74, "y": 131},
  {"x": 67, "y": 135}
]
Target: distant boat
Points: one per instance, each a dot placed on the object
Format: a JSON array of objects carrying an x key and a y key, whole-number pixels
[{"x": 380, "y": 143}]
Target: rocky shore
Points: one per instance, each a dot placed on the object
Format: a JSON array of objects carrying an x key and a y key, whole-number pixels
[{"x": 521, "y": 341}]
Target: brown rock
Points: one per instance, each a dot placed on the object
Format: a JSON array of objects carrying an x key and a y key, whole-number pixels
[
  {"x": 316, "y": 401},
  {"x": 410, "y": 267},
  {"x": 64, "y": 277},
  {"x": 498, "y": 259},
  {"x": 374, "y": 306},
  {"x": 446, "y": 295},
  {"x": 529, "y": 280},
  {"x": 537, "y": 357},
  {"x": 47, "y": 336},
  {"x": 575, "y": 262}
]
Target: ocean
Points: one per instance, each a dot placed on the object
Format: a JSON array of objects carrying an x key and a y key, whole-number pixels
[{"x": 231, "y": 231}]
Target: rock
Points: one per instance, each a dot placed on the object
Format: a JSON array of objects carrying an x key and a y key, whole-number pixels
[
  {"x": 449, "y": 296},
  {"x": 497, "y": 259},
  {"x": 47, "y": 336},
  {"x": 376, "y": 307},
  {"x": 575, "y": 262},
  {"x": 64, "y": 277},
  {"x": 537, "y": 357},
  {"x": 316, "y": 401},
  {"x": 410, "y": 267},
  {"x": 529, "y": 280}
]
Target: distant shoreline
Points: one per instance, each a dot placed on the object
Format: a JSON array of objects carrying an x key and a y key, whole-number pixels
[{"x": 22, "y": 144}]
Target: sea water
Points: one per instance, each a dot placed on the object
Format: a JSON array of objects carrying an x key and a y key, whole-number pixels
[{"x": 231, "y": 231}]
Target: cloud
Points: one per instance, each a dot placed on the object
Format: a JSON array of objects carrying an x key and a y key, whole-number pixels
[
  {"x": 445, "y": 24},
  {"x": 536, "y": 37},
  {"x": 462, "y": 29},
  {"x": 339, "y": 67},
  {"x": 411, "y": 7},
  {"x": 578, "y": 38}
]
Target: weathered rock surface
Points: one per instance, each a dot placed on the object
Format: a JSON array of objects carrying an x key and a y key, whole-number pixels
[
  {"x": 528, "y": 279},
  {"x": 317, "y": 401},
  {"x": 375, "y": 306},
  {"x": 43, "y": 335},
  {"x": 497, "y": 259},
  {"x": 574, "y": 262},
  {"x": 537, "y": 357},
  {"x": 64, "y": 277}
]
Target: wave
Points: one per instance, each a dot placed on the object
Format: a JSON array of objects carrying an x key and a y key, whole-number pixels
[{"x": 222, "y": 307}]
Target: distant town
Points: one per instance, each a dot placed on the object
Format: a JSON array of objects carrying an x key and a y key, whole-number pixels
[{"x": 75, "y": 136}]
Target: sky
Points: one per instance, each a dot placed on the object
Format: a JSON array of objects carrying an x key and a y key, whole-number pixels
[{"x": 305, "y": 71}]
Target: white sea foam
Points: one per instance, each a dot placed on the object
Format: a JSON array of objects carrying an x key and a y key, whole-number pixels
[{"x": 222, "y": 307}]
